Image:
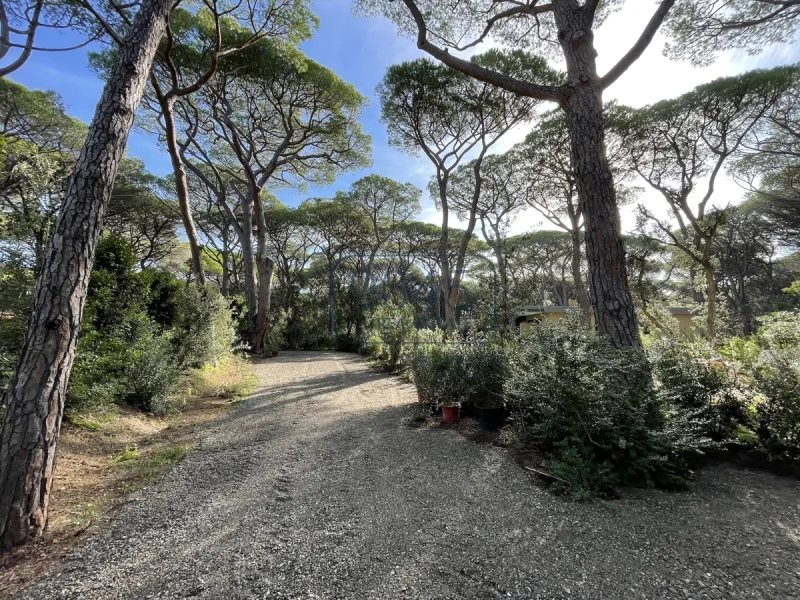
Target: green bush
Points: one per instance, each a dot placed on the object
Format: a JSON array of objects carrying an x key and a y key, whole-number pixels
[
  {"x": 164, "y": 298},
  {"x": 485, "y": 368},
  {"x": 375, "y": 348},
  {"x": 276, "y": 337},
  {"x": 448, "y": 377},
  {"x": 100, "y": 372},
  {"x": 779, "y": 331},
  {"x": 204, "y": 331},
  {"x": 591, "y": 407},
  {"x": 417, "y": 356},
  {"x": 700, "y": 391},
  {"x": 152, "y": 374},
  {"x": 393, "y": 324},
  {"x": 777, "y": 377},
  {"x": 140, "y": 329}
]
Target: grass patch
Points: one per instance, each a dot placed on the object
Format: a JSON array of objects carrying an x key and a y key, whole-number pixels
[
  {"x": 91, "y": 422},
  {"x": 86, "y": 516},
  {"x": 145, "y": 467},
  {"x": 130, "y": 453},
  {"x": 166, "y": 457},
  {"x": 231, "y": 378}
]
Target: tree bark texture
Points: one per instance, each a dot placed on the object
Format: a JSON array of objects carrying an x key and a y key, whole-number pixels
[
  {"x": 182, "y": 188},
  {"x": 248, "y": 261},
  {"x": 266, "y": 267},
  {"x": 332, "y": 297},
  {"x": 35, "y": 400},
  {"x": 577, "y": 273},
  {"x": 711, "y": 292},
  {"x": 608, "y": 278}
]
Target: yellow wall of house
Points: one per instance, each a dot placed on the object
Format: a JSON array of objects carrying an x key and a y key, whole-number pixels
[{"x": 685, "y": 325}]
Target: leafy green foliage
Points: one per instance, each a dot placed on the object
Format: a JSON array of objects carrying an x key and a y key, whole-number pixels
[
  {"x": 700, "y": 390},
  {"x": 278, "y": 324},
  {"x": 141, "y": 328},
  {"x": 204, "y": 330},
  {"x": 778, "y": 377},
  {"x": 485, "y": 366},
  {"x": 591, "y": 406},
  {"x": 702, "y": 28},
  {"x": 393, "y": 324}
]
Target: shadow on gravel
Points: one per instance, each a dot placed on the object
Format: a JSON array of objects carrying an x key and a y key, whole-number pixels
[
  {"x": 307, "y": 356},
  {"x": 314, "y": 488}
]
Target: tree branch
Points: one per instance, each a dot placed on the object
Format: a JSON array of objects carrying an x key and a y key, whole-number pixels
[
  {"x": 522, "y": 88},
  {"x": 640, "y": 46}
]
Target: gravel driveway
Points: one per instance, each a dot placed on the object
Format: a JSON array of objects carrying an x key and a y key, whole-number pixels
[{"x": 314, "y": 489}]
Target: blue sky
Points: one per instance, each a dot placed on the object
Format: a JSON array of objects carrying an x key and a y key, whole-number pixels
[{"x": 360, "y": 50}]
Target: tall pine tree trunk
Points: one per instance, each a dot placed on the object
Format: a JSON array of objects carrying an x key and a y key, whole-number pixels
[
  {"x": 711, "y": 292},
  {"x": 608, "y": 277},
  {"x": 167, "y": 105},
  {"x": 35, "y": 399},
  {"x": 266, "y": 267},
  {"x": 332, "y": 296},
  {"x": 577, "y": 274},
  {"x": 248, "y": 261}
]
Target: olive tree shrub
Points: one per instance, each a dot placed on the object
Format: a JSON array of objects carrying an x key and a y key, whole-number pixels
[
  {"x": 591, "y": 408},
  {"x": 392, "y": 326}
]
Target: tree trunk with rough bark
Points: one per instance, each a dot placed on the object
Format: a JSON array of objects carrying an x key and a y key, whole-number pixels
[
  {"x": 35, "y": 399},
  {"x": 266, "y": 267},
  {"x": 182, "y": 188},
  {"x": 608, "y": 277},
  {"x": 332, "y": 297},
  {"x": 502, "y": 273},
  {"x": 225, "y": 288},
  {"x": 711, "y": 292},
  {"x": 248, "y": 261},
  {"x": 577, "y": 274}
]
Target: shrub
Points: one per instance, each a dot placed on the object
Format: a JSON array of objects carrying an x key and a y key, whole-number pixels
[
  {"x": 375, "y": 348},
  {"x": 484, "y": 364},
  {"x": 699, "y": 391},
  {"x": 394, "y": 325},
  {"x": 100, "y": 372},
  {"x": 779, "y": 331},
  {"x": 152, "y": 374},
  {"x": 448, "y": 381},
  {"x": 204, "y": 330},
  {"x": 165, "y": 296},
  {"x": 777, "y": 377},
  {"x": 278, "y": 321},
  {"x": 417, "y": 356},
  {"x": 591, "y": 406}
]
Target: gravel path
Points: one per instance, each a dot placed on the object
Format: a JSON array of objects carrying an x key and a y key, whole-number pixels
[{"x": 314, "y": 489}]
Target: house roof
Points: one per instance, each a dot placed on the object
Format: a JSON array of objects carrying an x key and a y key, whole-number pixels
[{"x": 540, "y": 309}]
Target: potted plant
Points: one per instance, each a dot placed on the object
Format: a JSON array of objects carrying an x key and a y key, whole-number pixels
[
  {"x": 485, "y": 366},
  {"x": 419, "y": 364},
  {"x": 448, "y": 374}
]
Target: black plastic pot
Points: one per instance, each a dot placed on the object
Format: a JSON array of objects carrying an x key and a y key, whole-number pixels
[
  {"x": 468, "y": 409},
  {"x": 492, "y": 418}
]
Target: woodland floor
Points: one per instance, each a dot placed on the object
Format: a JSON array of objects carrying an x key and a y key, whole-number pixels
[{"x": 314, "y": 488}]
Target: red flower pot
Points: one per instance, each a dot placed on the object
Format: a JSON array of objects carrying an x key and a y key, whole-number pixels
[
  {"x": 450, "y": 414},
  {"x": 274, "y": 354}
]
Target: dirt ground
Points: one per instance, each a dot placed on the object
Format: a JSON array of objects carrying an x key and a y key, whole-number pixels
[
  {"x": 315, "y": 488},
  {"x": 104, "y": 457}
]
